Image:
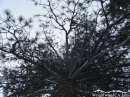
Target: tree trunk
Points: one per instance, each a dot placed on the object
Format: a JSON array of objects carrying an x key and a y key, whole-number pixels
[{"x": 65, "y": 88}]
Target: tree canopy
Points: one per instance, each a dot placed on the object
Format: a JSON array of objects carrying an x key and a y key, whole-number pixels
[{"x": 91, "y": 53}]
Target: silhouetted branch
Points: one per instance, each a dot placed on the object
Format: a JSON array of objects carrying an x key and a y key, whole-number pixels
[
  {"x": 82, "y": 93},
  {"x": 87, "y": 63},
  {"x": 42, "y": 91}
]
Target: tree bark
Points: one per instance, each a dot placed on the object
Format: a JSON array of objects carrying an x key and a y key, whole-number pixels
[{"x": 65, "y": 88}]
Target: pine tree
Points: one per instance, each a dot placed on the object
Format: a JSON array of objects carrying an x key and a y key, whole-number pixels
[{"x": 93, "y": 55}]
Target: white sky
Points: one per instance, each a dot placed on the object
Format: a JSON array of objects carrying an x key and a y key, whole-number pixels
[{"x": 19, "y": 7}]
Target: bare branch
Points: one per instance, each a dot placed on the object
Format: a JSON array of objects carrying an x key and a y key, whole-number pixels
[
  {"x": 104, "y": 14},
  {"x": 53, "y": 48},
  {"x": 72, "y": 18},
  {"x": 55, "y": 17}
]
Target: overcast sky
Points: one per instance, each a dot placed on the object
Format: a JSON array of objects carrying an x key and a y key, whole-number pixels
[{"x": 19, "y": 7}]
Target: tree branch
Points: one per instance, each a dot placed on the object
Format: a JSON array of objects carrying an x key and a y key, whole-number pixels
[
  {"x": 54, "y": 48},
  {"x": 56, "y": 17},
  {"x": 87, "y": 63},
  {"x": 42, "y": 91},
  {"x": 92, "y": 78},
  {"x": 116, "y": 22},
  {"x": 104, "y": 13},
  {"x": 99, "y": 76},
  {"x": 84, "y": 94},
  {"x": 109, "y": 68},
  {"x": 31, "y": 61}
]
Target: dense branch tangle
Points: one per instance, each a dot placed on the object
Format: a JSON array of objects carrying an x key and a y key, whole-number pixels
[{"x": 93, "y": 48}]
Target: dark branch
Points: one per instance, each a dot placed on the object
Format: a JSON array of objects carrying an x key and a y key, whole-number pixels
[
  {"x": 84, "y": 94},
  {"x": 104, "y": 14},
  {"x": 87, "y": 63},
  {"x": 42, "y": 91}
]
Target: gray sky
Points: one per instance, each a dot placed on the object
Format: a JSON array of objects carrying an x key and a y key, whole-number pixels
[{"x": 19, "y": 7}]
